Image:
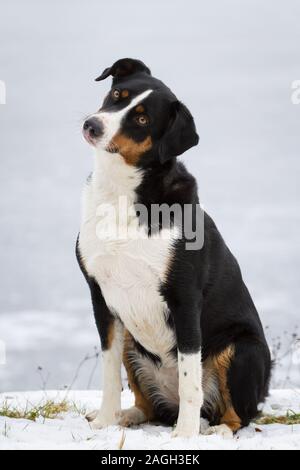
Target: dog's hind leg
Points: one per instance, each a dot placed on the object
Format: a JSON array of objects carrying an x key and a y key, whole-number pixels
[
  {"x": 248, "y": 378},
  {"x": 230, "y": 422},
  {"x": 132, "y": 417},
  {"x": 243, "y": 371}
]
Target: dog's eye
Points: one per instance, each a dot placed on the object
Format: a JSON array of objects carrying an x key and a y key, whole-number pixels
[
  {"x": 142, "y": 120},
  {"x": 116, "y": 94}
]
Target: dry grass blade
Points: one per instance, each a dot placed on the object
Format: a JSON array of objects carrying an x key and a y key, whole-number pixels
[{"x": 122, "y": 441}]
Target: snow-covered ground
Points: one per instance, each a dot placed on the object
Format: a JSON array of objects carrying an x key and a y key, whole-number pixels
[{"x": 71, "y": 430}]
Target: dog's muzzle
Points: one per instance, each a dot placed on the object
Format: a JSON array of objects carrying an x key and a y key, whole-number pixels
[{"x": 93, "y": 129}]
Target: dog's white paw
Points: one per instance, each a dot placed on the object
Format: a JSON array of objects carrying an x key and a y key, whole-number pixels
[
  {"x": 100, "y": 419},
  {"x": 131, "y": 417},
  {"x": 186, "y": 430},
  {"x": 102, "y": 422},
  {"x": 222, "y": 430}
]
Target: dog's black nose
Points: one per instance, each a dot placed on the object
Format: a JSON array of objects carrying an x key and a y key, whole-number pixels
[{"x": 94, "y": 127}]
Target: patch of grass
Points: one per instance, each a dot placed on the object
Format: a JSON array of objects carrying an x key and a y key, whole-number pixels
[
  {"x": 289, "y": 419},
  {"x": 47, "y": 410}
]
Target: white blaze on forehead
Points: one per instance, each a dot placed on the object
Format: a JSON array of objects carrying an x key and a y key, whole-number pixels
[{"x": 112, "y": 119}]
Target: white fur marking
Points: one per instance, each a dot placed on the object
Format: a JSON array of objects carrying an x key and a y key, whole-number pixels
[
  {"x": 111, "y": 402},
  {"x": 129, "y": 271},
  {"x": 190, "y": 395}
]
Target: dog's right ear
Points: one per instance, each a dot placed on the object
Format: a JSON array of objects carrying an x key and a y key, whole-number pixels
[
  {"x": 180, "y": 134},
  {"x": 124, "y": 67}
]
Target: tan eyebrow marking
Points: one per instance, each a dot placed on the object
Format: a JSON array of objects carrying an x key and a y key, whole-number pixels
[
  {"x": 125, "y": 94},
  {"x": 140, "y": 109}
]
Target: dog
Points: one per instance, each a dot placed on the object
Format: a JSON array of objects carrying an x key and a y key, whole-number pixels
[{"x": 180, "y": 320}]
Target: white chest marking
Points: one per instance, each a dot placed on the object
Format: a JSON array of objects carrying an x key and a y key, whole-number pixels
[{"x": 129, "y": 270}]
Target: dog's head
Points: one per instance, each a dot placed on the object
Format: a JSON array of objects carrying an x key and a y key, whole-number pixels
[{"x": 140, "y": 118}]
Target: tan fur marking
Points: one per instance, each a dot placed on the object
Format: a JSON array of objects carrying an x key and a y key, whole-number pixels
[
  {"x": 125, "y": 94},
  {"x": 222, "y": 363},
  {"x": 231, "y": 419},
  {"x": 141, "y": 401},
  {"x": 140, "y": 109},
  {"x": 130, "y": 150}
]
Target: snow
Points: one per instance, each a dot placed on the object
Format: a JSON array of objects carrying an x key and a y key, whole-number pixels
[
  {"x": 233, "y": 64},
  {"x": 71, "y": 431}
]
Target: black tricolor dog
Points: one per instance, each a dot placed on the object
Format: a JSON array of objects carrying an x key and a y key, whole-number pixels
[{"x": 182, "y": 321}]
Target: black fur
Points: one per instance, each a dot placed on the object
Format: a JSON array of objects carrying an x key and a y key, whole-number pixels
[{"x": 124, "y": 67}]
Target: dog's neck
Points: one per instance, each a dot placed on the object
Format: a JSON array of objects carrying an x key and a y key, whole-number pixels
[
  {"x": 113, "y": 177},
  {"x": 113, "y": 174}
]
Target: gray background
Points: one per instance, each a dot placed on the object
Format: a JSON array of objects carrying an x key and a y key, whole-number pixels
[{"x": 232, "y": 63}]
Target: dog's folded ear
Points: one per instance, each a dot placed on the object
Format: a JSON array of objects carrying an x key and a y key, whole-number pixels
[
  {"x": 180, "y": 134},
  {"x": 124, "y": 67}
]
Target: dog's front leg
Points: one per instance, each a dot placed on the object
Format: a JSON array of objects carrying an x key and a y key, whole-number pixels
[
  {"x": 187, "y": 326},
  {"x": 190, "y": 394},
  {"x": 111, "y": 334},
  {"x": 112, "y": 386}
]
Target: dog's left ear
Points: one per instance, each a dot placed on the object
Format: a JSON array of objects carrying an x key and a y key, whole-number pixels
[
  {"x": 124, "y": 67},
  {"x": 180, "y": 135}
]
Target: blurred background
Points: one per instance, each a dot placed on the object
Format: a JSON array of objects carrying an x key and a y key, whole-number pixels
[{"x": 232, "y": 63}]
